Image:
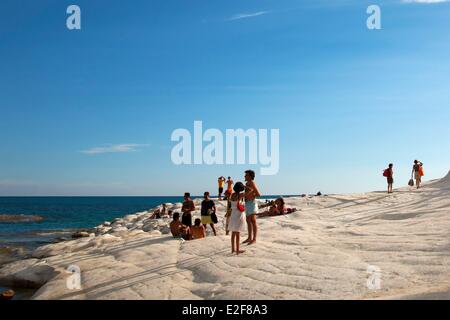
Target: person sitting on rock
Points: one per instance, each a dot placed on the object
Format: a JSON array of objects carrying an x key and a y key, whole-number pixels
[
  {"x": 277, "y": 208},
  {"x": 156, "y": 214},
  {"x": 280, "y": 206},
  {"x": 178, "y": 229},
  {"x": 198, "y": 230}
]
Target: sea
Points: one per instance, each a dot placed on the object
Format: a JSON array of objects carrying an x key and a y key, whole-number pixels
[{"x": 63, "y": 215}]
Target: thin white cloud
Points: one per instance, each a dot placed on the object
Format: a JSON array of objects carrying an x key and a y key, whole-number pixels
[
  {"x": 247, "y": 15},
  {"x": 116, "y": 148},
  {"x": 425, "y": 1}
]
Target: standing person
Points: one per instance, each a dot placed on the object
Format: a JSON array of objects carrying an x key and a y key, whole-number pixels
[
  {"x": 237, "y": 219},
  {"x": 417, "y": 172},
  {"x": 220, "y": 182},
  {"x": 389, "y": 174},
  {"x": 187, "y": 208},
  {"x": 251, "y": 207},
  {"x": 229, "y": 188},
  {"x": 228, "y": 215},
  {"x": 208, "y": 208}
]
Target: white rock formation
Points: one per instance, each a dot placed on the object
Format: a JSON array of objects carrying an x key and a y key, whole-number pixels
[{"x": 328, "y": 250}]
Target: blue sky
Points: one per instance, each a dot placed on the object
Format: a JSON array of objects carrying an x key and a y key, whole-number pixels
[{"x": 347, "y": 100}]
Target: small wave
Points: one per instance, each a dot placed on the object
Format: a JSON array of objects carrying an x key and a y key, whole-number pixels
[{"x": 17, "y": 218}]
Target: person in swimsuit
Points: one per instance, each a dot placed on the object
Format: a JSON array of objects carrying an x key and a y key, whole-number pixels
[
  {"x": 198, "y": 231},
  {"x": 277, "y": 208},
  {"x": 280, "y": 206},
  {"x": 390, "y": 178},
  {"x": 220, "y": 182},
  {"x": 187, "y": 208},
  {"x": 416, "y": 172},
  {"x": 229, "y": 188},
  {"x": 179, "y": 230},
  {"x": 251, "y": 207}
]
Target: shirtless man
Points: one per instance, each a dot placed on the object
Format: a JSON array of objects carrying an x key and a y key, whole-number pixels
[
  {"x": 198, "y": 230},
  {"x": 178, "y": 229},
  {"x": 187, "y": 208},
  {"x": 251, "y": 207}
]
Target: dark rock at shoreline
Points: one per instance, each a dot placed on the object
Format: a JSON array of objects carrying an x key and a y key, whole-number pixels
[
  {"x": 80, "y": 234},
  {"x": 17, "y": 218},
  {"x": 10, "y": 254},
  {"x": 62, "y": 239},
  {"x": 83, "y": 233},
  {"x": 28, "y": 274}
]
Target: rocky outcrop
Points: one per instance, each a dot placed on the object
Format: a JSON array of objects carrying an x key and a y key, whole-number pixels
[
  {"x": 19, "y": 218},
  {"x": 30, "y": 273}
]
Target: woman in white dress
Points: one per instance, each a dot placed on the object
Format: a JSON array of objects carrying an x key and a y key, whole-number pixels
[{"x": 237, "y": 220}]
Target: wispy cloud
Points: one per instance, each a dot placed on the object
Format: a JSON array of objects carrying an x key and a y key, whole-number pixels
[
  {"x": 247, "y": 15},
  {"x": 115, "y": 148},
  {"x": 425, "y": 1}
]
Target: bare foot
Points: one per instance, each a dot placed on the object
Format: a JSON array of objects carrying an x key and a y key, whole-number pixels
[
  {"x": 240, "y": 251},
  {"x": 251, "y": 242},
  {"x": 245, "y": 241}
]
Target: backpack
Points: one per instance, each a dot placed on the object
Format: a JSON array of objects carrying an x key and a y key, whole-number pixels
[{"x": 386, "y": 173}]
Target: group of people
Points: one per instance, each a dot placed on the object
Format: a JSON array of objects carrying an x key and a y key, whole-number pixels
[
  {"x": 221, "y": 181},
  {"x": 161, "y": 213},
  {"x": 276, "y": 207},
  {"x": 242, "y": 210},
  {"x": 416, "y": 174}
]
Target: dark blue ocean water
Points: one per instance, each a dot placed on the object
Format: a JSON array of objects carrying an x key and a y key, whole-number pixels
[
  {"x": 66, "y": 213},
  {"x": 72, "y": 212}
]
